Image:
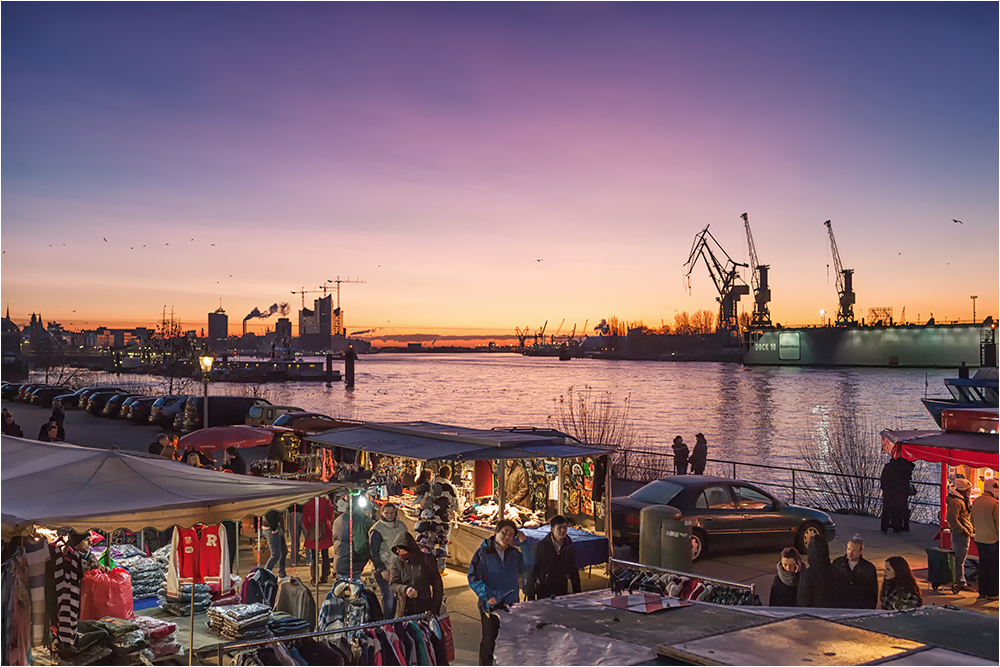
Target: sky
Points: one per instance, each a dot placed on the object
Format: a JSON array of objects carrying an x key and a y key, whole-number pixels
[{"x": 487, "y": 166}]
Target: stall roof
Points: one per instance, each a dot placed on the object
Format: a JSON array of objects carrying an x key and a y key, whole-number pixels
[
  {"x": 66, "y": 486},
  {"x": 951, "y": 447},
  {"x": 427, "y": 441}
]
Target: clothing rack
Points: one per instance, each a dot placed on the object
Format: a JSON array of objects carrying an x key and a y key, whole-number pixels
[
  {"x": 228, "y": 648},
  {"x": 690, "y": 575}
]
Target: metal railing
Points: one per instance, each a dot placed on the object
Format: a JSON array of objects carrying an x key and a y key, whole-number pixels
[{"x": 790, "y": 483}]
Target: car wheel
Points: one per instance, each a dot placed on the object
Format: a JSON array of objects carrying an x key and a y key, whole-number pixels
[
  {"x": 807, "y": 532},
  {"x": 699, "y": 544}
]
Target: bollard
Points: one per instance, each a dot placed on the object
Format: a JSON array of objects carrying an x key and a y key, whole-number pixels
[
  {"x": 664, "y": 538},
  {"x": 329, "y": 369},
  {"x": 349, "y": 357}
]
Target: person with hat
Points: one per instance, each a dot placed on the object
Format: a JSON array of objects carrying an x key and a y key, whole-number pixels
[
  {"x": 414, "y": 578},
  {"x": 984, "y": 521},
  {"x": 960, "y": 524}
]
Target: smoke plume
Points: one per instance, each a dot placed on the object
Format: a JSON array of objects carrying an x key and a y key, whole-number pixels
[
  {"x": 274, "y": 308},
  {"x": 603, "y": 327}
]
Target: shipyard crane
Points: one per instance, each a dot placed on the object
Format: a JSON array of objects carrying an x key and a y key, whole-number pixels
[
  {"x": 761, "y": 316},
  {"x": 522, "y": 336},
  {"x": 845, "y": 284},
  {"x": 556, "y": 334},
  {"x": 724, "y": 276}
]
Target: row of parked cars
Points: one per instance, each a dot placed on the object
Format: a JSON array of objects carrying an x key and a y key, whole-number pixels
[{"x": 181, "y": 412}]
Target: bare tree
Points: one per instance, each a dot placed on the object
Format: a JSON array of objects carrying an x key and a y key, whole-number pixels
[
  {"x": 594, "y": 418},
  {"x": 703, "y": 322},
  {"x": 845, "y": 451},
  {"x": 682, "y": 324},
  {"x": 175, "y": 349}
]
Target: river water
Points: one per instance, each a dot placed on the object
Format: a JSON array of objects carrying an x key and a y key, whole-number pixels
[{"x": 749, "y": 414}]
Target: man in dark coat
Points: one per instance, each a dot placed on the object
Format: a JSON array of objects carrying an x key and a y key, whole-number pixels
[
  {"x": 699, "y": 455},
  {"x": 555, "y": 562},
  {"x": 863, "y": 590},
  {"x": 895, "y": 483},
  {"x": 10, "y": 427},
  {"x": 822, "y": 585},
  {"x": 234, "y": 461},
  {"x": 414, "y": 578}
]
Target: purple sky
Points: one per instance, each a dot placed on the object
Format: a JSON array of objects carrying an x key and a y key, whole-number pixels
[{"x": 437, "y": 150}]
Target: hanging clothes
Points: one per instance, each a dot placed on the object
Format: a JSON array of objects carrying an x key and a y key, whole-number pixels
[
  {"x": 68, "y": 575},
  {"x": 295, "y": 599},
  {"x": 198, "y": 558},
  {"x": 39, "y": 557}
]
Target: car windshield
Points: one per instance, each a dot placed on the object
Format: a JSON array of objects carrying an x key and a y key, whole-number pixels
[{"x": 660, "y": 492}]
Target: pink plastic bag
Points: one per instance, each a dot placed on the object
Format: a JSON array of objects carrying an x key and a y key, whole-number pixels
[{"x": 106, "y": 594}]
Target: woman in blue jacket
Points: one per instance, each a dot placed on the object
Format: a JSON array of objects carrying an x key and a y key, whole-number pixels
[{"x": 493, "y": 575}]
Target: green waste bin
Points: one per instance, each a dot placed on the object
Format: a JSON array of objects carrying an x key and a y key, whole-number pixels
[{"x": 664, "y": 538}]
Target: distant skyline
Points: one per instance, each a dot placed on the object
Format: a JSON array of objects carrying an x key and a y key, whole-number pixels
[{"x": 159, "y": 154}]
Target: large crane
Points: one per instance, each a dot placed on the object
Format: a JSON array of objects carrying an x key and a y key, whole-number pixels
[
  {"x": 845, "y": 284},
  {"x": 338, "y": 315},
  {"x": 305, "y": 291},
  {"x": 724, "y": 276},
  {"x": 761, "y": 316}
]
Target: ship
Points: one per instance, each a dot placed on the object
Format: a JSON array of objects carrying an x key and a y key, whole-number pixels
[{"x": 900, "y": 345}]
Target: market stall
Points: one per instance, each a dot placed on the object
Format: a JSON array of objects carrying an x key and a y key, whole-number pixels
[
  {"x": 48, "y": 486},
  {"x": 966, "y": 447},
  {"x": 560, "y": 474}
]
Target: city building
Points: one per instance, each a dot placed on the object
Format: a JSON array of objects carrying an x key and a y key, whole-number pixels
[{"x": 218, "y": 329}]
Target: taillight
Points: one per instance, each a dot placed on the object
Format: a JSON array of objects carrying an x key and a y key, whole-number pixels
[{"x": 631, "y": 520}]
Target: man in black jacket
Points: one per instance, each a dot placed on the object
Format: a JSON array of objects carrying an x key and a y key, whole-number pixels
[
  {"x": 863, "y": 590},
  {"x": 555, "y": 562},
  {"x": 822, "y": 585}
]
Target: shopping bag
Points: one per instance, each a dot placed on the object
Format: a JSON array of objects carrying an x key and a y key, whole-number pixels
[
  {"x": 444, "y": 620},
  {"x": 106, "y": 594}
]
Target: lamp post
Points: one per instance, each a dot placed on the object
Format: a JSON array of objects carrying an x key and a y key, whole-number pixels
[
  {"x": 206, "y": 368},
  {"x": 973, "y": 308},
  {"x": 822, "y": 317}
]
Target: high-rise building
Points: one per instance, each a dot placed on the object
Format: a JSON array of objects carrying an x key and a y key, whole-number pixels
[
  {"x": 218, "y": 328},
  {"x": 283, "y": 329},
  {"x": 316, "y": 325}
]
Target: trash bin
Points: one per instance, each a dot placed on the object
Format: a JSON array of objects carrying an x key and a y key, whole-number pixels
[{"x": 664, "y": 539}]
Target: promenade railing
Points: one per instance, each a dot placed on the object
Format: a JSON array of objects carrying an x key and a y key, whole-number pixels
[{"x": 822, "y": 489}]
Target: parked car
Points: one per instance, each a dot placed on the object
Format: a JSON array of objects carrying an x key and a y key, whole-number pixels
[
  {"x": 114, "y": 404},
  {"x": 9, "y": 391},
  {"x": 42, "y": 397},
  {"x": 165, "y": 408},
  {"x": 125, "y": 411},
  {"x": 95, "y": 404},
  {"x": 85, "y": 394},
  {"x": 311, "y": 422},
  {"x": 140, "y": 408},
  {"x": 264, "y": 415},
  {"x": 222, "y": 411},
  {"x": 724, "y": 514},
  {"x": 24, "y": 391}
]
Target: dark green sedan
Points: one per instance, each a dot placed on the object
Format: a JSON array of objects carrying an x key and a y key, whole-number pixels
[{"x": 725, "y": 514}]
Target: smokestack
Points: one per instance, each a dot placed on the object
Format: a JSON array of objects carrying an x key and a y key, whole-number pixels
[{"x": 244, "y": 327}]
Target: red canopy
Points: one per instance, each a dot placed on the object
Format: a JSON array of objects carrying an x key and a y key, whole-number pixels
[
  {"x": 222, "y": 437},
  {"x": 979, "y": 450}
]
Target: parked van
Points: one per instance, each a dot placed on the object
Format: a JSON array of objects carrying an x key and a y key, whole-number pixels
[
  {"x": 264, "y": 415},
  {"x": 222, "y": 411}
]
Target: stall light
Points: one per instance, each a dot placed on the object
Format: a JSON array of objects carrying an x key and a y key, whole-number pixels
[{"x": 362, "y": 502}]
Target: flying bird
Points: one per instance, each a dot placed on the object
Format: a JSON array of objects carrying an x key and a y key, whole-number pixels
[
  {"x": 959, "y": 222},
  {"x": 213, "y": 245},
  {"x": 105, "y": 240},
  {"x": 539, "y": 260}
]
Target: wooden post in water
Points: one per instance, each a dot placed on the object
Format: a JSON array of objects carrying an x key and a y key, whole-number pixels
[
  {"x": 349, "y": 357},
  {"x": 329, "y": 369}
]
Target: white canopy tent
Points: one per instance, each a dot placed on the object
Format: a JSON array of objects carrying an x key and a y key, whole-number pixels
[{"x": 59, "y": 485}]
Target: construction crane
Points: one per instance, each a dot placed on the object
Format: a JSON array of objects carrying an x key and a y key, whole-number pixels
[
  {"x": 761, "y": 316},
  {"x": 845, "y": 284},
  {"x": 540, "y": 334},
  {"x": 305, "y": 291},
  {"x": 338, "y": 316},
  {"x": 724, "y": 276},
  {"x": 522, "y": 336}
]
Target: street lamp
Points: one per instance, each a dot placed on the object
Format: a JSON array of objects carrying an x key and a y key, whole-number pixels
[
  {"x": 973, "y": 308},
  {"x": 206, "y": 368},
  {"x": 822, "y": 316}
]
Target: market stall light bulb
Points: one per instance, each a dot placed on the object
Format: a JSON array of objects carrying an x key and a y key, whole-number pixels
[{"x": 362, "y": 502}]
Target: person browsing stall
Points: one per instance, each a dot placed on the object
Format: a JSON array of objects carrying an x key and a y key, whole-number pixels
[
  {"x": 555, "y": 562},
  {"x": 414, "y": 579},
  {"x": 785, "y": 587},
  {"x": 494, "y": 576},
  {"x": 863, "y": 590},
  {"x": 234, "y": 462},
  {"x": 381, "y": 539}
]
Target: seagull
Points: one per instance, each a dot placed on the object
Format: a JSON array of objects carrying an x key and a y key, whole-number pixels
[
  {"x": 105, "y": 239},
  {"x": 213, "y": 245},
  {"x": 958, "y": 222},
  {"x": 166, "y": 244},
  {"x": 539, "y": 260}
]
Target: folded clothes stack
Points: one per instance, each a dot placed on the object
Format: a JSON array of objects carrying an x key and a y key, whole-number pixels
[
  {"x": 110, "y": 640},
  {"x": 180, "y": 604},
  {"x": 285, "y": 624},
  {"x": 240, "y": 621},
  {"x": 161, "y": 636},
  {"x": 148, "y": 575}
]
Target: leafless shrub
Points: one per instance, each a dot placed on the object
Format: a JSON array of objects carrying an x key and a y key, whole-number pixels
[
  {"x": 845, "y": 453},
  {"x": 594, "y": 418}
]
